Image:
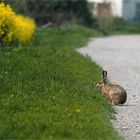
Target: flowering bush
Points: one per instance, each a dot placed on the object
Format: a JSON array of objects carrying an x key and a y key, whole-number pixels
[
  {"x": 13, "y": 27},
  {"x": 25, "y": 27}
]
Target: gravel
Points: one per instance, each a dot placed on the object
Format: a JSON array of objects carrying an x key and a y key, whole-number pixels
[{"x": 120, "y": 56}]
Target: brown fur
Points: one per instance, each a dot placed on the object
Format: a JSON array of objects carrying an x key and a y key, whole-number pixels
[{"x": 114, "y": 93}]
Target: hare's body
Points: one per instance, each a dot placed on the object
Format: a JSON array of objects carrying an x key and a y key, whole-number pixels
[{"x": 115, "y": 93}]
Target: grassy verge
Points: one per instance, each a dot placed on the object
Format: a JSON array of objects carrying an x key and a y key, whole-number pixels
[
  {"x": 48, "y": 92},
  {"x": 73, "y": 37},
  {"x": 112, "y": 26}
]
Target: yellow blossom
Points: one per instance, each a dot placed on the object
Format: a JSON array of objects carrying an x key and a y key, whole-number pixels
[
  {"x": 77, "y": 110},
  {"x": 25, "y": 27}
]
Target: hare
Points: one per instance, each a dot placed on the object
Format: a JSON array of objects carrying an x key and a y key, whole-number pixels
[{"x": 114, "y": 93}]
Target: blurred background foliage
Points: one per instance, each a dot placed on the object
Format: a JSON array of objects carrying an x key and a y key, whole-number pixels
[
  {"x": 58, "y": 12},
  {"x": 64, "y": 13}
]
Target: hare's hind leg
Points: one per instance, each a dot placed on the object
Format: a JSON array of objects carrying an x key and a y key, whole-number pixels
[
  {"x": 114, "y": 100},
  {"x": 113, "y": 103}
]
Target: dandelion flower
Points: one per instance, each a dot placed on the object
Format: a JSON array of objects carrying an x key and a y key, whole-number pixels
[{"x": 77, "y": 110}]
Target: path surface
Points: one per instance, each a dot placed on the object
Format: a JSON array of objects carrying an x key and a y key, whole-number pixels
[{"x": 120, "y": 56}]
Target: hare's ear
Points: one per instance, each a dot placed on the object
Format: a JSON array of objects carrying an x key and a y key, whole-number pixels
[{"x": 104, "y": 75}]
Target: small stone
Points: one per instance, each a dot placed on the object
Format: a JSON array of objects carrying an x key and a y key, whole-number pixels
[
  {"x": 125, "y": 128},
  {"x": 134, "y": 96},
  {"x": 138, "y": 133}
]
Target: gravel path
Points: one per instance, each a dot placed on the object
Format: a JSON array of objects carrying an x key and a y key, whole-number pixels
[{"x": 120, "y": 56}]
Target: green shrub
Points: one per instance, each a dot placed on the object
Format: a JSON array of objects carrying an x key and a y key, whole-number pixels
[
  {"x": 108, "y": 25},
  {"x": 116, "y": 26}
]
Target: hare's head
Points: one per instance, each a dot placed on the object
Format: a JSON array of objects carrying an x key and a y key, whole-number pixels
[{"x": 100, "y": 84}]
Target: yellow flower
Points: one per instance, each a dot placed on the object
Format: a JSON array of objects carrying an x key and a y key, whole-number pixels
[
  {"x": 77, "y": 110},
  {"x": 25, "y": 27}
]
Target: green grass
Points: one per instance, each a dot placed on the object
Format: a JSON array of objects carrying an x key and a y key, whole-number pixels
[
  {"x": 70, "y": 37},
  {"x": 112, "y": 26},
  {"x": 48, "y": 91}
]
